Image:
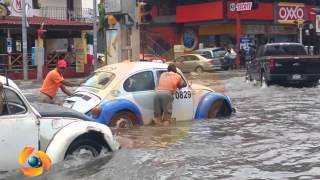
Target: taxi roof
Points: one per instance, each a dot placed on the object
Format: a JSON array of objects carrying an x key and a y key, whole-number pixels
[{"x": 128, "y": 67}]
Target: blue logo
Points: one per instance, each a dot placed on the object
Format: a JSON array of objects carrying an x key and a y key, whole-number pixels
[{"x": 189, "y": 39}]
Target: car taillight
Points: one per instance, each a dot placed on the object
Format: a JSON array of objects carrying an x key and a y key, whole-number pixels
[
  {"x": 96, "y": 111},
  {"x": 271, "y": 63},
  {"x": 210, "y": 61}
]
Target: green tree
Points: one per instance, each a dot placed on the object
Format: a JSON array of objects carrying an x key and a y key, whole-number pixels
[{"x": 102, "y": 14}]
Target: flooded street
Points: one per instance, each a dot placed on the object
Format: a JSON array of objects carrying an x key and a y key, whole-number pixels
[{"x": 275, "y": 134}]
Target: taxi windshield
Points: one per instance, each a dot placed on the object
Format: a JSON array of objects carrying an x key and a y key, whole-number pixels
[{"x": 99, "y": 80}]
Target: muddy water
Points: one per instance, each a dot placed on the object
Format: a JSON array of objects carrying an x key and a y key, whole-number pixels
[{"x": 275, "y": 134}]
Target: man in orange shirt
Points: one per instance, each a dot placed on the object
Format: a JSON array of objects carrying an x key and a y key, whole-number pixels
[
  {"x": 168, "y": 83},
  {"x": 53, "y": 81}
]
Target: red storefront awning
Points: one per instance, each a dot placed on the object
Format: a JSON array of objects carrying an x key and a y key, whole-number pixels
[{"x": 200, "y": 12}]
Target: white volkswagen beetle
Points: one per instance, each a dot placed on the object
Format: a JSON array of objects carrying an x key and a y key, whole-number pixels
[
  {"x": 125, "y": 91},
  {"x": 57, "y": 131}
]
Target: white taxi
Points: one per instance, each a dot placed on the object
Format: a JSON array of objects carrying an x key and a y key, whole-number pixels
[
  {"x": 58, "y": 131},
  {"x": 124, "y": 92}
]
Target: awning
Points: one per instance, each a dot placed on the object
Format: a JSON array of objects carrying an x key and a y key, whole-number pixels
[{"x": 14, "y": 21}]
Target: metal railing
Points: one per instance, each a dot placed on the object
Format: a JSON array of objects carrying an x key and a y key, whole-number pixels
[{"x": 62, "y": 13}]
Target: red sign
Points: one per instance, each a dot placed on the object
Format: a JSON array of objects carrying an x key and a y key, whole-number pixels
[
  {"x": 263, "y": 12},
  {"x": 244, "y": 6},
  {"x": 290, "y": 12},
  {"x": 200, "y": 12},
  {"x": 17, "y": 5}
]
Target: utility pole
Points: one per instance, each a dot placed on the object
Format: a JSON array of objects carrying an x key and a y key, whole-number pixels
[
  {"x": 95, "y": 59},
  {"x": 24, "y": 42},
  {"x": 238, "y": 34}
]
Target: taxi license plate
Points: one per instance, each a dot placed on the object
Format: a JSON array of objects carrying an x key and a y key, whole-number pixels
[{"x": 296, "y": 76}]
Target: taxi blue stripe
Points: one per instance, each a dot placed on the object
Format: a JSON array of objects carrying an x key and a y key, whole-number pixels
[{"x": 109, "y": 108}]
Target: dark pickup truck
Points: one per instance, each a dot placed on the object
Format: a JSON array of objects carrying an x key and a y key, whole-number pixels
[{"x": 284, "y": 63}]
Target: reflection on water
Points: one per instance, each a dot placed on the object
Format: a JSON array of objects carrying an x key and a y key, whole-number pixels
[
  {"x": 275, "y": 134},
  {"x": 153, "y": 137}
]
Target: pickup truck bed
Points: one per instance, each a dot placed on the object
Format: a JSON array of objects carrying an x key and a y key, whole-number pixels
[
  {"x": 295, "y": 68},
  {"x": 284, "y": 63}
]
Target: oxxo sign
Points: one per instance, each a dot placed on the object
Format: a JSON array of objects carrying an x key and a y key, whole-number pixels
[{"x": 290, "y": 12}]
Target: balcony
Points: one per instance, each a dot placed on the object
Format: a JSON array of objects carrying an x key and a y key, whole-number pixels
[{"x": 62, "y": 13}]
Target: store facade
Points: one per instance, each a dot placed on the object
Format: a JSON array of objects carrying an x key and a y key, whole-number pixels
[
  {"x": 61, "y": 36},
  {"x": 213, "y": 24}
]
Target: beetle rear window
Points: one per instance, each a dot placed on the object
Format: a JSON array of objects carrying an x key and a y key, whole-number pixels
[{"x": 99, "y": 80}]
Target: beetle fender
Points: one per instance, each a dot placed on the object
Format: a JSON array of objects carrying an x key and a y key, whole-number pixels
[
  {"x": 59, "y": 145},
  {"x": 206, "y": 102},
  {"x": 109, "y": 108}
]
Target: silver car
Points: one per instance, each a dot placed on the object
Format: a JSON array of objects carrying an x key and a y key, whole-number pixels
[{"x": 197, "y": 63}]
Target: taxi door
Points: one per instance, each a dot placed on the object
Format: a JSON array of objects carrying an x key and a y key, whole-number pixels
[
  {"x": 182, "y": 107},
  {"x": 18, "y": 128}
]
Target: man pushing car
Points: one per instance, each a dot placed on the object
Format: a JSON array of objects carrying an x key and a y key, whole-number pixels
[
  {"x": 53, "y": 81},
  {"x": 168, "y": 83}
]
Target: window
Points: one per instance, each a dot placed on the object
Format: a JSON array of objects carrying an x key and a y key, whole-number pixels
[
  {"x": 220, "y": 53},
  {"x": 143, "y": 81},
  {"x": 99, "y": 80},
  {"x": 11, "y": 103},
  {"x": 192, "y": 58},
  {"x": 206, "y": 54},
  {"x": 180, "y": 59}
]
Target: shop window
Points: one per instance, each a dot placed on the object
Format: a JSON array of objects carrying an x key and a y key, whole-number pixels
[{"x": 36, "y": 4}]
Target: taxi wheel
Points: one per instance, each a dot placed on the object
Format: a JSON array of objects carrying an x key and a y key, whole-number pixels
[
  {"x": 123, "y": 119},
  {"x": 215, "y": 109},
  {"x": 85, "y": 148}
]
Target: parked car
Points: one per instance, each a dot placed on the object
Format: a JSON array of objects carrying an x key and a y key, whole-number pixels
[
  {"x": 217, "y": 54},
  {"x": 197, "y": 63},
  {"x": 58, "y": 131},
  {"x": 284, "y": 63},
  {"x": 152, "y": 58},
  {"x": 124, "y": 92}
]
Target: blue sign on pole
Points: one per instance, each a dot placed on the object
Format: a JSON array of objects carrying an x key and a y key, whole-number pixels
[
  {"x": 33, "y": 56},
  {"x": 246, "y": 42}
]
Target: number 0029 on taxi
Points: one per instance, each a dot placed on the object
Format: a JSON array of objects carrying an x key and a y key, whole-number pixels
[{"x": 125, "y": 92}]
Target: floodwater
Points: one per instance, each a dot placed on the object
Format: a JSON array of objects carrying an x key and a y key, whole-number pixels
[{"x": 275, "y": 134}]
